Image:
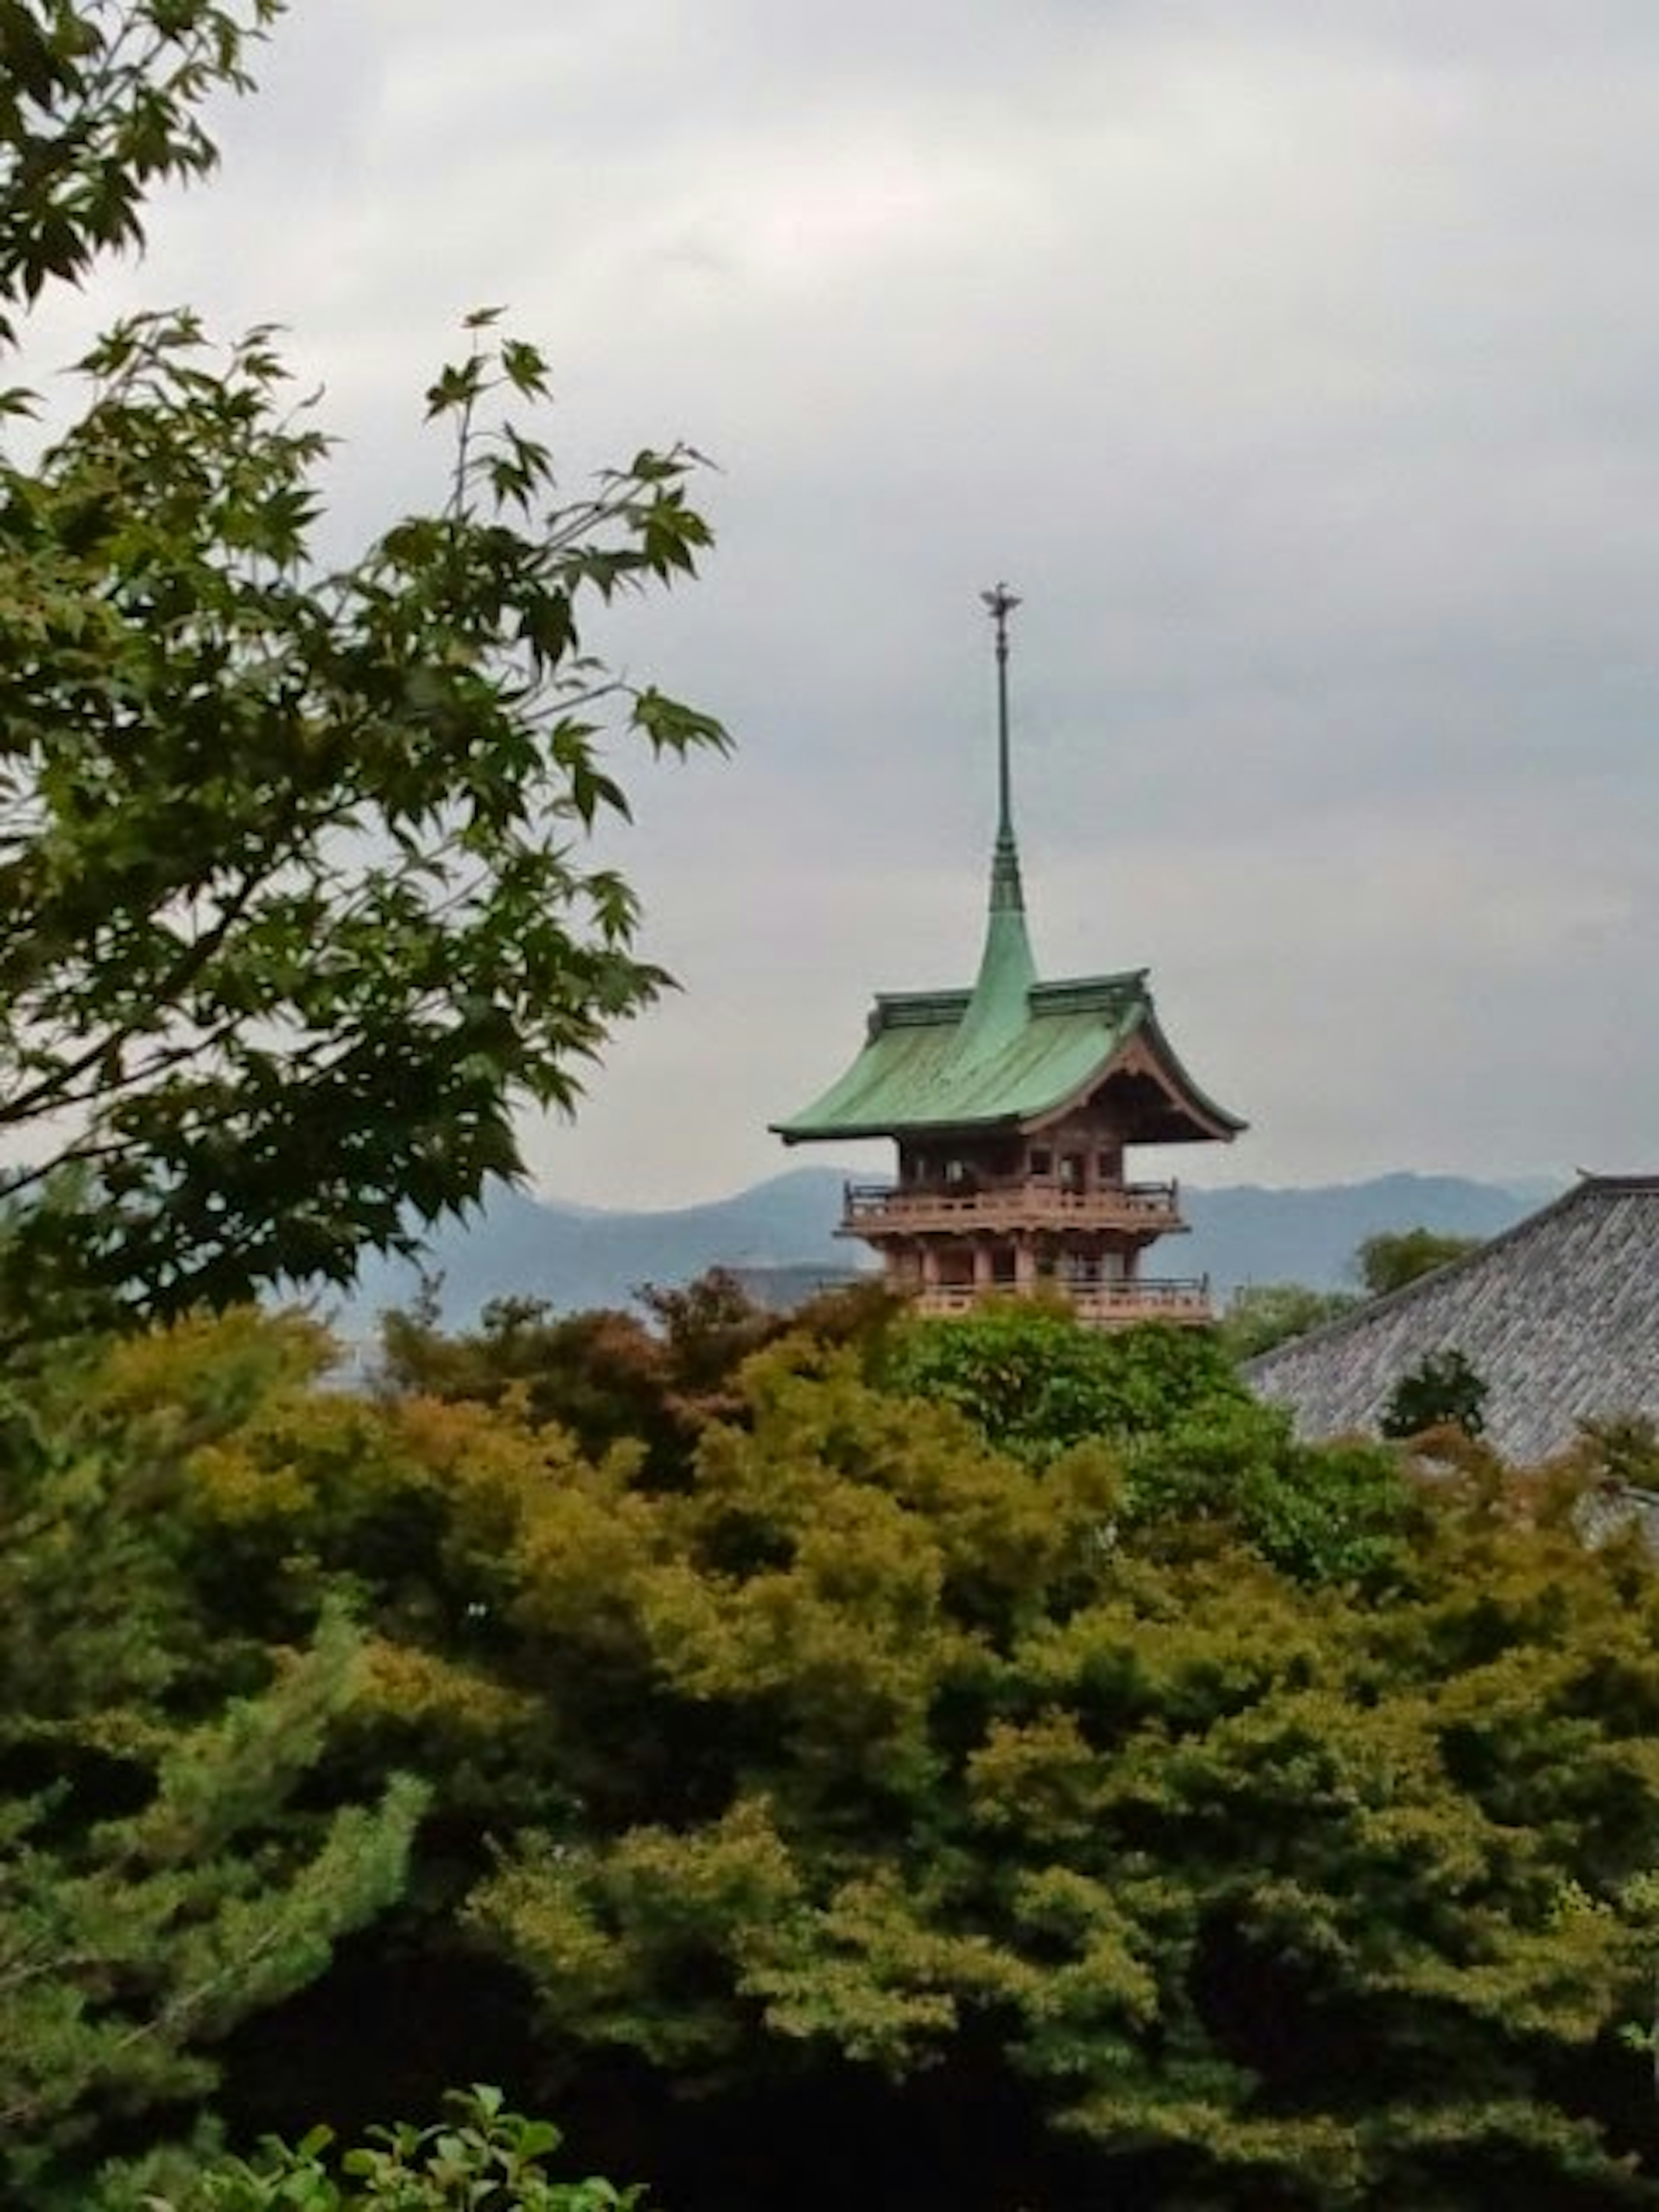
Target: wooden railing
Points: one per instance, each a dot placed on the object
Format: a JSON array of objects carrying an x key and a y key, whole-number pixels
[
  {"x": 1107, "y": 1304},
  {"x": 877, "y": 1208}
]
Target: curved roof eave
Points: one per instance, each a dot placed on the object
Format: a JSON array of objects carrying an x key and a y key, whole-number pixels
[
  {"x": 858, "y": 1133},
  {"x": 1213, "y": 1121},
  {"x": 1227, "y": 1126}
]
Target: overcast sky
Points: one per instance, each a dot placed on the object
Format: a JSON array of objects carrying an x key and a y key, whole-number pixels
[{"x": 1298, "y": 363}]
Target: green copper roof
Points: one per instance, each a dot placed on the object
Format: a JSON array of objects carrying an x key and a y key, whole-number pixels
[
  {"x": 925, "y": 1064},
  {"x": 1009, "y": 1050}
]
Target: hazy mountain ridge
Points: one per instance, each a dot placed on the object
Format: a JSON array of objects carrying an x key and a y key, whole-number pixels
[
  {"x": 576, "y": 1256},
  {"x": 1250, "y": 1233}
]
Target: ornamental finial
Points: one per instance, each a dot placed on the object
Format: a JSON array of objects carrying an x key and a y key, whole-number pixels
[{"x": 1000, "y": 603}]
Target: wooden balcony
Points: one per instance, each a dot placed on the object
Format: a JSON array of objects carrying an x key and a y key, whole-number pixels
[
  {"x": 1184, "y": 1300},
  {"x": 875, "y": 1210}
]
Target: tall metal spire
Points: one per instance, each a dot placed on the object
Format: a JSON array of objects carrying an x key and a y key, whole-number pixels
[
  {"x": 996, "y": 1012},
  {"x": 1006, "y": 894}
]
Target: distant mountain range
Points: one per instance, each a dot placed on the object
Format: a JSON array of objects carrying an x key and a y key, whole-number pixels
[{"x": 576, "y": 1256}]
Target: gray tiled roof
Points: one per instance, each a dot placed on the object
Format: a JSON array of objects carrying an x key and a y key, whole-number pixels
[{"x": 1559, "y": 1316}]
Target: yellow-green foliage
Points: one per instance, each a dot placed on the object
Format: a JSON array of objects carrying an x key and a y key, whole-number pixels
[{"x": 1277, "y": 1867}]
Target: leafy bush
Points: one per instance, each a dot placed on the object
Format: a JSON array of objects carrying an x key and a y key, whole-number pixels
[
  {"x": 1442, "y": 1391},
  {"x": 485, "y": 2159},
  {"x": 1263, "y": 1314},
  {"x": 1033, "y": 1380},
  {"x": 1390, "y": 1260},
  {"x": 1339, "y": 1513}
]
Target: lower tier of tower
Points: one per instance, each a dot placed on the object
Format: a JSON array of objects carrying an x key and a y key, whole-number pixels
[{"x": 1099, "y": 1278}]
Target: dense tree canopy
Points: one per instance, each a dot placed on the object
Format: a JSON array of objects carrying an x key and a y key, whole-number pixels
[
  {"x": 159, "y": 1879},
  {"x": 1232, "y": 1822}
]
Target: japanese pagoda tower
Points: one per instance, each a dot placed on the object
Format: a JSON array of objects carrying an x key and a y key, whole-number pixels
[{"x": 1014, "y": 1103}]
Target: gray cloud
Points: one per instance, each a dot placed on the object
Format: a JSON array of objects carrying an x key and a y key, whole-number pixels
[{"x": 1297, "y": 361}]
